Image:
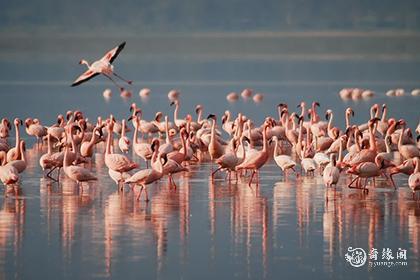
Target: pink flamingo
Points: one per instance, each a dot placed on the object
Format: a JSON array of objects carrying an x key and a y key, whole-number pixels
[
  {"x": 103, "y": 66},
  {"x": 414, "y": 179},
  {"x": 147, "y": 176},
  {"x": 257, "y": 160}
]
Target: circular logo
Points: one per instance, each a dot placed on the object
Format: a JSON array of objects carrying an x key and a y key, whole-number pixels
[{"x": 356, "y": 257}]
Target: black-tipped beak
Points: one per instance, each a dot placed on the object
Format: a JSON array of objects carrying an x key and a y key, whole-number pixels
[
  {"x": 327, "y": 116},
  {"x": 211, "y": 116},
  {"x": 21, "y": 122},
  {"x": 172, "y": 103},
  {"x": 130, "y": 118},
  {"x": 317, "y": 104},
  {"x": 246, "y": 139}
]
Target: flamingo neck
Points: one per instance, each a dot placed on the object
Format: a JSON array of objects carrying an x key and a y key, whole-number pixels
[
  {"x": 384, "y": 113},
  {"x": 49, "y": 149},
  {"x": 17, "y": 138},
  {"x": 168, "y": 140},
  {"x": 388, "y": 147},
  {"x": 276, "y": 144},
  {"x": 176, "y": 111},
  {"x": 330, "y": 122},
  {"x": 199, "y": 116},
  {"x": 401, "y": 136},
  {"x": 108, "y": 142},
  {"x": 372, "y": 139},
  {"x": 340, "y": 151},
  {"x": 22, "y": 153},
  {"x": 347, "y": 120},
  {"x": 135, "y": 134},
  {"x": 123, "y": 129}
]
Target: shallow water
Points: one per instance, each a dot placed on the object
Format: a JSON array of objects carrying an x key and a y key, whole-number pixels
[{"x": 203, "y": 229}]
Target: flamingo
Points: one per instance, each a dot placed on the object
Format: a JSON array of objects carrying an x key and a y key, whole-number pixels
[
  {"x": 76, "y": 173},
  {"x": 102, "y": 66},
  {"x": 35, "y": 129},
  {"x": 13, "y": 153},
  {"x": 366, "y": 170},
  {"x": 285, "y": 162},
  {"x": 215, "y": 148},
  {"x": 408, "y": 150},
  {"x": 116, "y": 162},
  {"x": 86, "y": 148},
  {"x": 331, "y": 173},
  {"x": 177, "y": 122},
  {"x": 230, "y": 160},
  {"x": 8, "y": 173},
  {"x": 257, "y": 160},
  {"x": 414, "y": 179},
  {"x": 172, "y": 167},
  {"x": 147, "y": 176},
  {"x": 4, "y": 128},
  {"x": 20, "y": 162}
]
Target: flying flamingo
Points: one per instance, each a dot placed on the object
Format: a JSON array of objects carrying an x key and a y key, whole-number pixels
[{"x": 102, "y": 66}]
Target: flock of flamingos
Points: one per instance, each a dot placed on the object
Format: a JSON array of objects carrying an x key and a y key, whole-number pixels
[{"x": 381, "y": 147}]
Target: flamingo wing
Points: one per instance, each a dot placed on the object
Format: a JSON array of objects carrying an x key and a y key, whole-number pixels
[
  {"x": 89, "y": 74},
  {"x": 111, "y": 55}
]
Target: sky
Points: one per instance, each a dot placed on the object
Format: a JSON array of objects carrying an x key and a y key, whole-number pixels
[{"x": 141, "y": 16}]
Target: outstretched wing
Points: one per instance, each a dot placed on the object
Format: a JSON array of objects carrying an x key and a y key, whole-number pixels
[
  {"x": 112, "y": 54},
  {"x": 89, "y": 74}
]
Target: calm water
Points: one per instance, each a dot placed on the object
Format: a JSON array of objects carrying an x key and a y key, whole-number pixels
[{"x": 204, "y": 229}]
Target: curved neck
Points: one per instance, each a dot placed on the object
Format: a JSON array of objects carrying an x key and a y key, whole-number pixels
[{"x": 330, "y": 121}]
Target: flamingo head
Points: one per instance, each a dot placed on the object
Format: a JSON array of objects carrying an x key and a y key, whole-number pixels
[
  {"x": 328, "y": 114},
  {"x": 383, "y": 107},
  {"x": 28, "y": 122},
  {"x": 158, "y": 116},
  {"x": 349, "y": 111},
  {"x": 198, "y": 108},
  {"x": 133, "y": 107},
  {"x": 17, "y": 122},
  {"x": 211, "y": 116},
  {"x": 282, "y": 105},
  {"x": 82, "y": 61}
]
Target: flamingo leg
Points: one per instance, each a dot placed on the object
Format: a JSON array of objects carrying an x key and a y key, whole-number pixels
[
  {"x": 250, "y": 180},
  {"x": 147, "y": 195},
  {"x": 118, "y": 76},
  {"x": 349, "y": 185},
  {"x": 139, "y": 195},
  {"x": 115, "y": 83},
  {"x": 215, "y": 171}
]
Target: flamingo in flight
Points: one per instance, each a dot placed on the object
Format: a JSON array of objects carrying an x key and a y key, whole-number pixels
[{"x": 102, "y": 66}]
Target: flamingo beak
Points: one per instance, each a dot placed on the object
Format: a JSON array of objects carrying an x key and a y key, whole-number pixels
[
  {"x": 130, "y": 118},
  {"x": 172, "y": 103}
]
